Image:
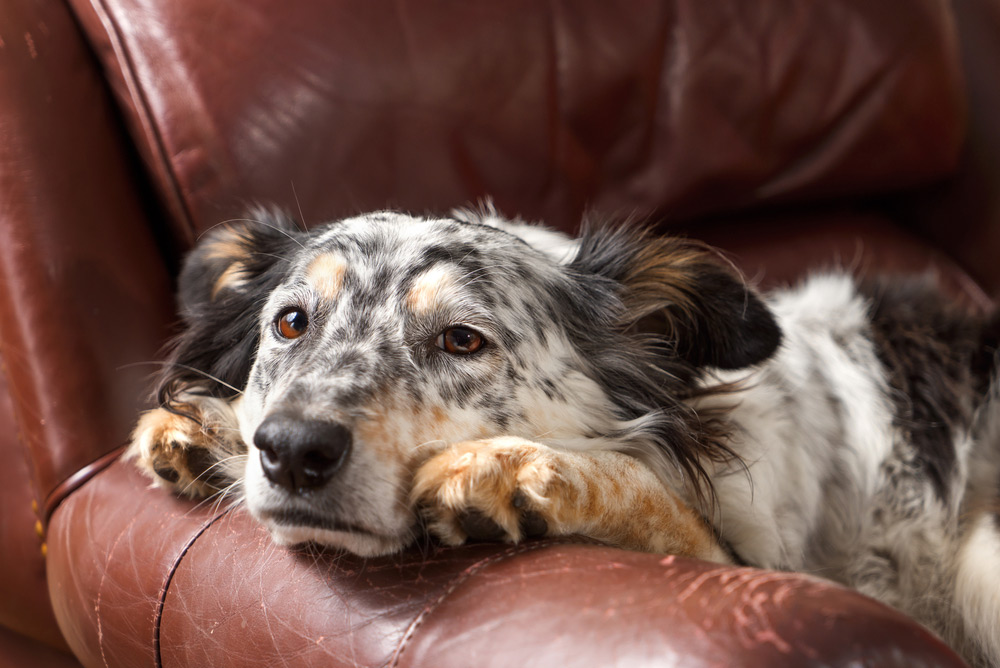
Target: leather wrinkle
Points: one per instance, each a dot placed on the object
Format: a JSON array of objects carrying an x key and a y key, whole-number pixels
[
  {"x": 864, "y": 102},
  {"x": 145, "y": 112},
  {"x": 126, "y": 530},
  {"x": 466, "y": 575},
  {"x": 169, "y": 579}
]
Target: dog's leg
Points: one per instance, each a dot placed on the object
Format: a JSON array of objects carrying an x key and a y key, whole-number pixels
[
  {"x": 510, "y": 488},
  {"x": 195, "y": 451}
]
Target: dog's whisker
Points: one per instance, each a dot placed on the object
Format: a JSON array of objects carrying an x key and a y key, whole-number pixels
[
  {"x": 426, "y": 444},
  {"x": 298, "y": 204},
  {"x": 279, "y": 258},
  {"x": 133, "y": 365},
  {"x": 231, "y": 495},
  {"x": 257, "y": 221},
  {"x": 205, "y": 374},
  {"x": 217, "y": 498},
  {"x": 217, "y": 465}
]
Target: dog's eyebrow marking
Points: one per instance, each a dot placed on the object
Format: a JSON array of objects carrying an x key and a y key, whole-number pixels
[
  {"x": 326, "y": 274},
  {"x": 428, "y": 287}
]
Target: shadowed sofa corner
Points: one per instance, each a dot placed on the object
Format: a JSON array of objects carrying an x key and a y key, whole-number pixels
[{"x": 792, "y": 134}]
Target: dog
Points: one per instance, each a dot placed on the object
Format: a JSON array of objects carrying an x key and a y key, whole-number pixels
[{"x": 383, "y": 376}]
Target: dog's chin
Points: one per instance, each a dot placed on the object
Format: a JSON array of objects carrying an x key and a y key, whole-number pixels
[{"x": 363, "y": 545}]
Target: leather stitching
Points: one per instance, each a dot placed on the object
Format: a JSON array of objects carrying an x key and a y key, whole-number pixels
[{"x": 151, "y": 124}]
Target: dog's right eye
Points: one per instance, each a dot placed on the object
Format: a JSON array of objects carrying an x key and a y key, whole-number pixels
[{"x": 292, "y": 323}]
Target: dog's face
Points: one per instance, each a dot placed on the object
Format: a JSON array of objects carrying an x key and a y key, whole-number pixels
[
  {"x": 388, "y": 337},
  {"x": 377, "y": 340}
]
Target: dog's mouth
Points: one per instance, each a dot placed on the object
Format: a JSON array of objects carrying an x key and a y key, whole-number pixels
[
  {"x": 303, "y": 519},
  {"x": 292, "y": 527}
]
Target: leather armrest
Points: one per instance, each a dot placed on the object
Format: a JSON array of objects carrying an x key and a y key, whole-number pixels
[
  {"x": 84, "y": 294},
  {"x": 139, "y": 577}
]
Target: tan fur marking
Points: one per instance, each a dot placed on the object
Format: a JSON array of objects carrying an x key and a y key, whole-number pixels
[
  {"x": 403, "y": 433},
  {"x": 230, "y": 246},
  {"x": 575, "y": 492},
  {"x": 231, "y": 278},
  {"x": 428, "y": 288},
  {"x": 377, "y": 430},
  {"x": 326, "y": 275},
  {"x": 664, "y": 273}
]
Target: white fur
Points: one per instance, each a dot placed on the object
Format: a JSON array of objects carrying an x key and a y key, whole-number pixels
[
  {"x": 558, "y": 246},
  {"x": 977, "y": 585},
  {"x": 770, "y": 512}
]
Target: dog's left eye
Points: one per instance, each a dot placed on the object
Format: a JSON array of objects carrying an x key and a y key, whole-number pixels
[
  {"x": 460, "y": 340},
  {"x": 292, "y": 323}
]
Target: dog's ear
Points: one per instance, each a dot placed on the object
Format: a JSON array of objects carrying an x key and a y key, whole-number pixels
[
  {"x": 679, "y": 289},
  {"x": 222, "y": 287},
  {"x": 230, "y": 258}
]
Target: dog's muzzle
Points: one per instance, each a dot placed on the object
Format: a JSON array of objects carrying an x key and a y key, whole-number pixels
[{"x": 299, "y": 454}]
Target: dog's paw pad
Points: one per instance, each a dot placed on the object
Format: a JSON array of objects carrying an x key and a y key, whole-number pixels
[
  {"x": 478, "y": 526},
  {"x": 487, "y": 491},
  {"x": 533, "y": 523}
]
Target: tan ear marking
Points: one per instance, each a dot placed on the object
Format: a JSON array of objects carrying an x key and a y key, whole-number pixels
[
  {"x": 664, "y": 273},
  {"x": 229, "y": 246},
  {"x": 231, "y": 278}
]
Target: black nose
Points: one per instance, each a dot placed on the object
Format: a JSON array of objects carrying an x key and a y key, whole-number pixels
[{"x": 300, "y": 454}]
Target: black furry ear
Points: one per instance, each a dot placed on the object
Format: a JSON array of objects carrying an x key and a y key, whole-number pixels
[
  {"x": 676, "y": 288},
  {"x": 220, "y": 296},
  {"x": 727, "y": 326}
]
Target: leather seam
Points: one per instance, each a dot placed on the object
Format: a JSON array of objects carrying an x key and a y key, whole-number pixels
[
  {"x": 457, "y": 582},
  {"x": 75, "y": 481},
  {"x": 143, "y": 110},
  {"x": 161, "y": 604}
]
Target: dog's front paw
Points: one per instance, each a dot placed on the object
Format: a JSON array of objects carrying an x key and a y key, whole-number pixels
[
  {"x": 177, "y": 452},
  {"x": 497, "y": 489}
]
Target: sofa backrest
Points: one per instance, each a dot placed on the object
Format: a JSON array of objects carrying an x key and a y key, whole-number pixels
[{"x": 669, "y": 109}]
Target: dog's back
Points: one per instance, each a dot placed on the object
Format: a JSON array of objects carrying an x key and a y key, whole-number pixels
[{"x": 872, "y": 440}]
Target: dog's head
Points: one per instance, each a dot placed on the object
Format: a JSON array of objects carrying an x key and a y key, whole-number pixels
[{"x": 365, "y": 345}]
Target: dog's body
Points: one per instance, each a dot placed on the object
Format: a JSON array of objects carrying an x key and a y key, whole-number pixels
[{"x": 496, "y": 380}]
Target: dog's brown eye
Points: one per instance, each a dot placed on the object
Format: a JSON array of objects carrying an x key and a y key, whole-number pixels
[
  {"x": 460, "y": 341},
  {"x": 292, "y": 323}
]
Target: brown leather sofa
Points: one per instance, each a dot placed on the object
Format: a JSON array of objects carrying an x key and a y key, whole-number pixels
[{"x": 793, "y": 133}]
